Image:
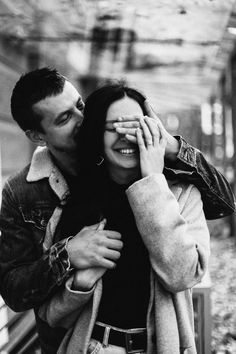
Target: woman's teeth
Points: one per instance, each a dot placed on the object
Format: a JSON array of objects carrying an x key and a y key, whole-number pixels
[{"x": 127, "y": 151}]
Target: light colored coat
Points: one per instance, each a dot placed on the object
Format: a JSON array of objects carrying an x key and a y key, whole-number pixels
[{"x": 171, "y": 222}]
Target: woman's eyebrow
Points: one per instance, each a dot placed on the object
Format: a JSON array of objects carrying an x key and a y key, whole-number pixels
[
  {"x": 109, "y": 124},
  {"x": 111, "y": 121}
]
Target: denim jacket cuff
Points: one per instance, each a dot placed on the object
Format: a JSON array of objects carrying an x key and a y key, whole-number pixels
[
  {"x": 185, "y": 162},
  {"x": 187, "y": 153},
  {"x": 59, "y": 260}
]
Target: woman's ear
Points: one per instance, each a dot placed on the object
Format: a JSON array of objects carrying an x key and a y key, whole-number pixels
[{"x": 35, "y": 137}]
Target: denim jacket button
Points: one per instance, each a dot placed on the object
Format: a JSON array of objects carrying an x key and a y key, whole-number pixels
[{"x": 43, "y": 222}]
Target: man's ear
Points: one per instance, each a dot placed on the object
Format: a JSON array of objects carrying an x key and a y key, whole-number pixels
[{"x": 35, "y": 137}]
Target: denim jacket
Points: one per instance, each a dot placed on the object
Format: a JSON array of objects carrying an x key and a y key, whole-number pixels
[{"x": 31, "y": 266}]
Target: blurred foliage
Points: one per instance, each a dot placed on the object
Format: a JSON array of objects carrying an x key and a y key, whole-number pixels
[{"x": 223, "y": 292}]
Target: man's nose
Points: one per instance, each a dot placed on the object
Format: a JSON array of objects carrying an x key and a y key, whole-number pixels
[{"x": 80, "y": 117}]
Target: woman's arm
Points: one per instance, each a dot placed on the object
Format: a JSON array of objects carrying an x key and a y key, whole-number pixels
[
  {"x": 65, "y": 306},
  {"x": 174, "y": 232}
]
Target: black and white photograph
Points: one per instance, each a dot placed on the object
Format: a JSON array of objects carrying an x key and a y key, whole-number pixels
[{"x": 117, "y": 176}]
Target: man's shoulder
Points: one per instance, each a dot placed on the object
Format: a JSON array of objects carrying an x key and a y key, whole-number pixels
[
  {"x": 19, "y": 176},
  {"x": 18, "y": 185}
]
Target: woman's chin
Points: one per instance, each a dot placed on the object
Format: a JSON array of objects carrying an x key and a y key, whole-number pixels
[{"x": 129, "y": 163}]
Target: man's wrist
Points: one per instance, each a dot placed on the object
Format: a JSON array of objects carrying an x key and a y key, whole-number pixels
[
  {"x": 67, "y": 256},
  {"x": 59, "y": 260}
]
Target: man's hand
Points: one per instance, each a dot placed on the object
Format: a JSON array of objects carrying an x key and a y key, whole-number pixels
[
  {"x": 128, "y": 125},
  {"x": 95, "y": 247}
]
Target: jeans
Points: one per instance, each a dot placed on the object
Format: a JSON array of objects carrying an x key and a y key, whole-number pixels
[{"x": 97, "y": 347}]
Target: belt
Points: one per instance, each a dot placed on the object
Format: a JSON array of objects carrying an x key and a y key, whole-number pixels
[{"x": 134, "y": 340}]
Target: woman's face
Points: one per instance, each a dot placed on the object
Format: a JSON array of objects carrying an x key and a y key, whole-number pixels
[{"x": 119, "y": 153}]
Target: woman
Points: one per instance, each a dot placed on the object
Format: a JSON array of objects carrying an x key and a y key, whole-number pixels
[{"x": 147, "y": 297}]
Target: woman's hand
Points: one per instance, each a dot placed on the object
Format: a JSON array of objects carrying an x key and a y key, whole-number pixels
[
  {"x": 152, "y": 145},
  {"x": 85, "y": 279}
]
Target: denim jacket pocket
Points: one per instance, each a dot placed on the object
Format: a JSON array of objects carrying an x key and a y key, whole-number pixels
[{"x": 37, "y": 215}]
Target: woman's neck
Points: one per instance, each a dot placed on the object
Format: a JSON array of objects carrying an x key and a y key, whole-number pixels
[{"x": 124, "y": 176}]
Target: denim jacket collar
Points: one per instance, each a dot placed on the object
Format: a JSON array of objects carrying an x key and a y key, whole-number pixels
[{"x": 42, "y": 166}]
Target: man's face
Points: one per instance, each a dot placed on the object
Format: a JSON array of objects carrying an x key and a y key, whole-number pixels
[{"x": 62, "y": 116}]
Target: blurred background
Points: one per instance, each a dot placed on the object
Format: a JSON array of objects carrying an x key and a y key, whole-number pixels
[{"x": 182, "y": 55}]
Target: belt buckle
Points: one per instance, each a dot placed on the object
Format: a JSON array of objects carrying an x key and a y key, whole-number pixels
[{"x": 129, "y": 344}]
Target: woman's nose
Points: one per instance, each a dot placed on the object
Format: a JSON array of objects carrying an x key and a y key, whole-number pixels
[{"x": 122, "y": 137}]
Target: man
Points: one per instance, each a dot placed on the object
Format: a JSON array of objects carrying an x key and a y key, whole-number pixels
[{"x": 34, "y": 263}]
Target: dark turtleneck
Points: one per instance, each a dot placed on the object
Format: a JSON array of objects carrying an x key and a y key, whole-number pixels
[{"x": 126, "y": 288}]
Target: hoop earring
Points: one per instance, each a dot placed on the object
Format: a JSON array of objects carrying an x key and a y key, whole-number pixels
[{"x": 100, "y": 161}]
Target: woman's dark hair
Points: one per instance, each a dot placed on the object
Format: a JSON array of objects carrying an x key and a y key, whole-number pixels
[{"x": 96, "y": 106}]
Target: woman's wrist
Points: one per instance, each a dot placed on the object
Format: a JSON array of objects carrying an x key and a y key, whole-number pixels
[
  {"x": 82, "y": 285},
  {"x": 83, "y": 288}
]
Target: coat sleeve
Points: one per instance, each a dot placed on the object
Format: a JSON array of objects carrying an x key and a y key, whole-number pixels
[
  {"x": 174, "y": 232},
  {"x": 65, "y": 306}
]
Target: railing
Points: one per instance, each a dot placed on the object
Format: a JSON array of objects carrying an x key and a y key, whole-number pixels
[{"x": 17, "y": 332}]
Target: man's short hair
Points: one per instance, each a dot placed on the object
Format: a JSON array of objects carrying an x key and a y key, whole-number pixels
[{"x": 31, "y": 88}]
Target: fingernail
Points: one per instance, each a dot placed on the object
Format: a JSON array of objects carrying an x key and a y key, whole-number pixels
[{"x": 119, "y": 129}]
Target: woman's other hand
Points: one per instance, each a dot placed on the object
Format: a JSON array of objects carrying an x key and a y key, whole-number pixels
[
  {"x": 85, "y": 279},
  {"x": 152, "y": 144}
]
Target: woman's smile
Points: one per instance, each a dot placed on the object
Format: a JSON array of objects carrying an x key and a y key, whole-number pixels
[{"x": 127, "y": 151}]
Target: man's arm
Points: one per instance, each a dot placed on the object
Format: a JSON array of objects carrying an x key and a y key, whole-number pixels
[
  {"x": 187, "y": 163},
  {"x": 27, "y": 275}
]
